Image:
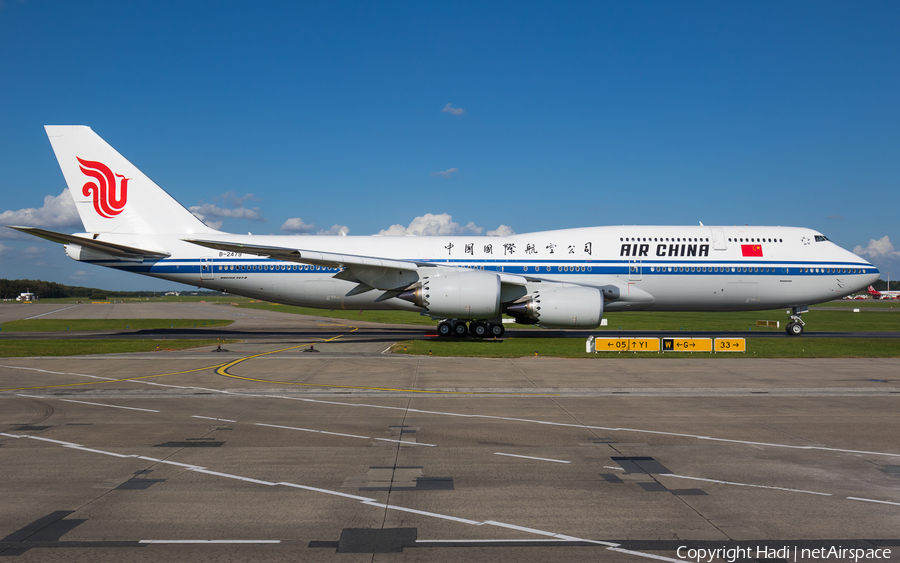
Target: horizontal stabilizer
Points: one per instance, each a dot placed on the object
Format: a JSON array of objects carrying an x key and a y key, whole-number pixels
[{"x": 114, "y": 250}]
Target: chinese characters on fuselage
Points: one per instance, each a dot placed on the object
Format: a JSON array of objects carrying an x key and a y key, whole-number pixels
[{"x": 510, "y": 248}]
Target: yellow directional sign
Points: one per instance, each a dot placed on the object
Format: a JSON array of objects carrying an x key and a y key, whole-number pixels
[
  {"x": 731, "y": 345},
  {"x": 611, "y": 344},
  {"x": 626, "y": 344},
  {"x": 643, "y": 344},
  {"x": 687, "y": 345}
]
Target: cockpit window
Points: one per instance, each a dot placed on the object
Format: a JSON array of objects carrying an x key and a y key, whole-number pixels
[{"x": 821, "y": 238}]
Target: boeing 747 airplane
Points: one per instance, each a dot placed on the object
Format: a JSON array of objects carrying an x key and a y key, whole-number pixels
[{"x": 560, "y": 279}]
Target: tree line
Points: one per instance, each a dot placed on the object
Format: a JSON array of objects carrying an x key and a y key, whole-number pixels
[{"x": 10, "y": 289}]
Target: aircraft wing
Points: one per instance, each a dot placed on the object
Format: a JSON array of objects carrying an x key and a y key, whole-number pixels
[
  {"x": 327, "y": 259},
  {"x": 371, "y": 271},
  {"x": 119, "y": 251}
]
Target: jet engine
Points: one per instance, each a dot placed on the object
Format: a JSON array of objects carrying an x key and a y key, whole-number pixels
[
  {"x": 458, "y": 295},
  {"x": 564, "y": 307}
]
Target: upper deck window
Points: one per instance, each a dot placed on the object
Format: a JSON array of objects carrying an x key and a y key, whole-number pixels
[{"x": 821, "y": 238}]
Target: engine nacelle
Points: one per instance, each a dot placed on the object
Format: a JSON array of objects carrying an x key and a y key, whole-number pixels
[
  {"x": 458, "y": 295},
  {"x": 564, "y": 307}
]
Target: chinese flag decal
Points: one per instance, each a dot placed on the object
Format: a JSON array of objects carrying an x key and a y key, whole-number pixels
[{"x": 751, "y": 250}]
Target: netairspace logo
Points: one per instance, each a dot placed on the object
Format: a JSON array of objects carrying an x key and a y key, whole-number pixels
[{"x": 787, "y": 553}]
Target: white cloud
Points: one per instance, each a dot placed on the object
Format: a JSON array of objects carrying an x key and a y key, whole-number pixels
[
  {"x": 80, "y": 275},
  {"x": 431, "y": 225},
  {"x": 206, "y": 211},
  {"x": 4, "y": 249},
  {"x": 58, "y": 213},
  {"x": 33, "y": 251},
  {"x": 445, "y": 173},
  {"x": 501, "y": 231},
  {"x": 334, "y": 231},
  {"x": 452, "y": 110},
  {"x": 212, "y": 210},
  {"x": 236, "y": 200},
  {"x": 878, "y": 249},
  {"x": 296, "y": 225}
]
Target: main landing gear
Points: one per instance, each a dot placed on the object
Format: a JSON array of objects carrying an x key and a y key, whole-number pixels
[
  {"x": 795, "y": 327},
  {"x": 479, "y": 329}
]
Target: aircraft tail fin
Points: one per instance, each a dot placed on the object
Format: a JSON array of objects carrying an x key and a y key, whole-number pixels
[
  {"x": 111, "y": 194},
  {"x": 873, "y": 291}
]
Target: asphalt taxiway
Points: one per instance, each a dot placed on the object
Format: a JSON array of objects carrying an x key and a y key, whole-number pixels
[{"x": 268, "y": 452}]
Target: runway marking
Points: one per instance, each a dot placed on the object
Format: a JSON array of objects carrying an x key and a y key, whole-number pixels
[
  {"x": 106, "y": 380},
  {"x": 873, "y": 500},
  {"x": 327, "y": 492},
  {"x": 90, "y": 450},
  {"x": 211, "y": 541},
  {"x": 30, "y": 396},
  {"x": 530, "y": 457},
  {"x": 585, "y": 426},
  {"x": 744, "y": 484},
  {"x": 55, "y": 372},
  {"x": 230, "y": 476},
  {"x": 492, "y": 541},
  {"x": 405, "y": 442},
  {"x": 110, "y": 406},
  {"x": 211, "y": 418},
  {"x": 422, "y": 512},
  {"x": 311, "y": 430},
  {"x": 167, "y": 462},
  {"x": 41, "y": 439},
  {"x": 344, "y": 435},
  {"x": 610, "y": 467},
  {"x": 366, "y": 501},
  {"x": 518, "y": 528},
  {"x": 50, "y": 312},
  {"x": 220, "y": 369}
]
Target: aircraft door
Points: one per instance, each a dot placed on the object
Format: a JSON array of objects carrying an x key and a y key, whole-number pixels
[
  {"x": 206, "y": 268},
  {"x": 718, "y": 239},
  {"x": 634, "y": 270}
]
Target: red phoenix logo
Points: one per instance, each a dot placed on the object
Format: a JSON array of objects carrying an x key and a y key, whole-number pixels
[{"x": 109, "y": 199}]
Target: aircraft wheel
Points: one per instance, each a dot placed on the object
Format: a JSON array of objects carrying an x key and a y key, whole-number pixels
[
  {"x": 460, "y": 329},
  {"x": 794, "y": 329},
  {"x": 496, "y": 330},
  {"x": 478, "y": 329},
  {"x": 444, "y": 328}
]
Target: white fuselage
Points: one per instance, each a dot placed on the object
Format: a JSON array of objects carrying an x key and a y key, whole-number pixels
[{"x": 682, "y": 268}]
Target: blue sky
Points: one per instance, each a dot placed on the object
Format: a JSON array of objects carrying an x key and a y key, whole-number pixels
[{"x": 573, "y": 114}]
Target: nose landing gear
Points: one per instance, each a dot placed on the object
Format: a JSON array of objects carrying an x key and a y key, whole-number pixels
[{"x": 795, "y": 327}]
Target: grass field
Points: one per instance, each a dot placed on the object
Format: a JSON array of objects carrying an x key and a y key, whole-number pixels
[
  {"x": 71, "y": 347},
  {"x": 802, "y": 347},
  {"x": 53, "y": 325},
  {"x": 816, "y": 320},
  {"x": 867, "y": 320}
]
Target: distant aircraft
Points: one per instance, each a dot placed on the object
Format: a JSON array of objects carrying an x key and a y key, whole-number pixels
[
  {"x": 560, "y": 279},
  {"x": 883, "y": 294}
]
